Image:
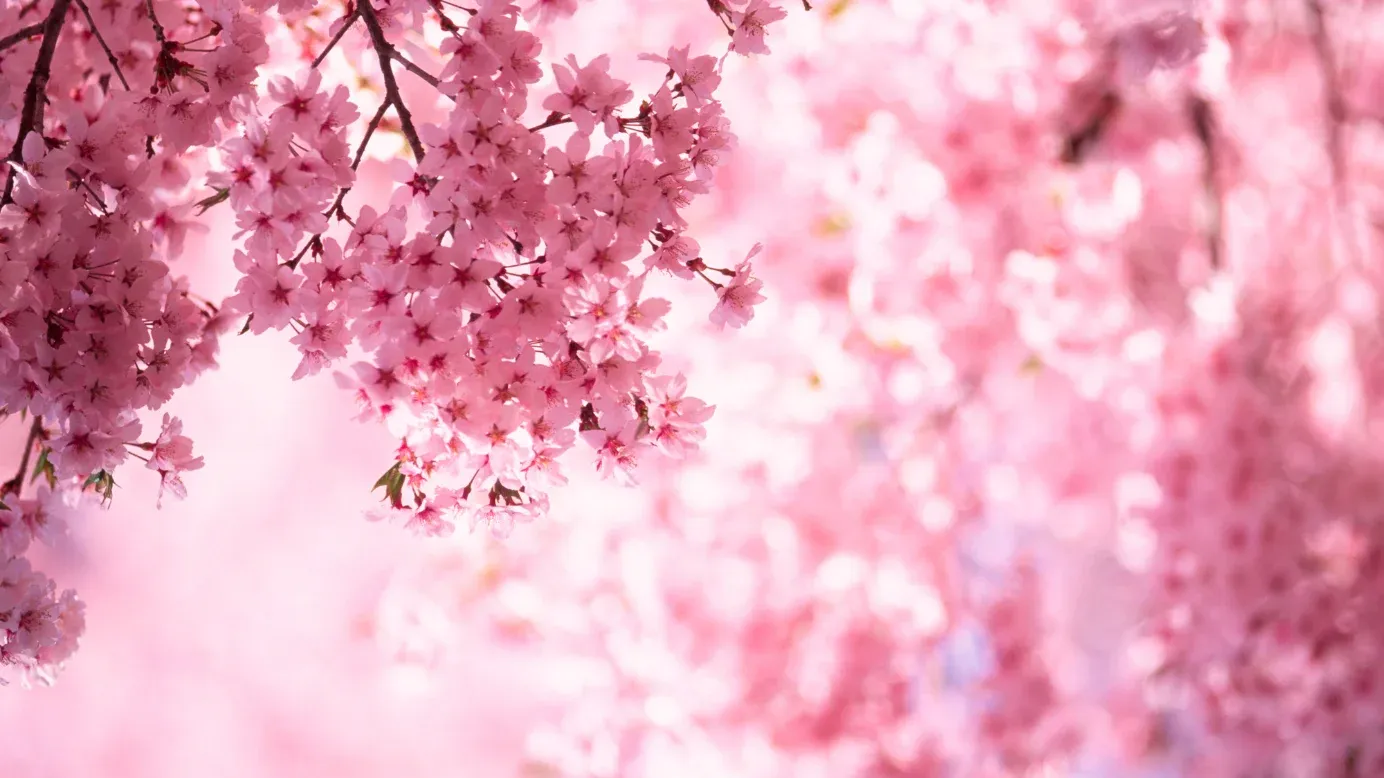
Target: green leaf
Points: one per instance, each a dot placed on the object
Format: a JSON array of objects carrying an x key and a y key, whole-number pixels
[
  {"x": 45, "y": 468},
  {"x": 103, "y": 482},
  {"x": 393, "y": 482},
  {"x": 221, "y": 196}
]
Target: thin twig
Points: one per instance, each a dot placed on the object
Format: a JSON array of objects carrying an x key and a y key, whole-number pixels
[
  {"x": 15, "y": 485},
  {"x": 350, "y": 22},
  {"x": 370, "y": 128},
  {"x": 369, "y": 131},
  {"x": 1078, "y": 144},
  {"x": 417, "y": 71},
  {"x": 1204, "y": 126},
  {"x": 31, "y": 116},
  {"x": 109, "y": 54},
  {"x": 384, "y": 50},
  {"x": 158, "y": 28},
  {"x": 1331, "y": 86},
  {"x": 554, "y": 119},
  {"x": 82, "y": 182},
  {"x": 21, "y": 35}
]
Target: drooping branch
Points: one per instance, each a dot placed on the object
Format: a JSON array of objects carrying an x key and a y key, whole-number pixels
[
  {"x": 384, "y": 50},
  {"x": 15, "y": 485},
  {"x": 341, "y": 33},
  {"x": 417, "y": 71},
  {"x": 1331, "y": 89},
  {"x": 315, "y": 242},
  {"x": 154, "y": 19},
  {"x": 1077, "y": 144},
  {"x": 110, "y": 56},
  {"x": 1204, "y": 127},
  {"x": 20, "y": 35},
  {"x": 364, "y": 141},
  {"x": 554, "y": 119},
  {"x": 31, "y": 115}
]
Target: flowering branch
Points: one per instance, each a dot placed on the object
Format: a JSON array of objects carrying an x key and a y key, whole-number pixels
[
  {"x": 154, "y": 19},
  {"x": 15, "y": 485},
  {"x": 1331, "y": 88},
  {"x": 1203, "y": 126},
  {"x": 346, "y": 25},
  {"x": 110, "y": 56},
  {"x": 20, "y": 35},
  {"x": 31, "y": 115},
  {"x": 384, "y": 50},
  {"x": 429, "y": 78}
]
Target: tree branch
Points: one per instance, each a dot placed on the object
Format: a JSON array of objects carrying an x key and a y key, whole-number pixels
[
  {"x": 370, "y": 128},
  {"x": 21, "y": 35},
  {"x": 369, "y": 131},
  {"x": 341, "y": 33},
  {"x": 1331, "y": 88},
  {"x": 109, "y": 54},
  {"x": 417, "y": 71},
  {"x": 1203, "y": 125},
  {"x": 554, "y": 119},
  {"x": 385, "y": 51},
  {"x": 31, "y": 116},
  {"x": 15, "y": 485},
  {"x": 158, "y": 28}
]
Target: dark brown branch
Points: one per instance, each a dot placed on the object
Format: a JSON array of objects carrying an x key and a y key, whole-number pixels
[
  {"x": 31, "y": 116},
  {"x": 110, "y": 56},
  {"x": 15, "y": 485},
  {"x": 1331, "y": 88},
  {"x": 1204, "y": 126},
  {"x": 417, "y": 71},
  {"x": 21, "y": 35},
  {"x": 722, "y": 13},
  {"x": 1078, "y": 144},
  {"x": 554, "y": 119},
  {"x": 350, "y": 22},
  {"x": 385, "y": 52},
  {"x": 158, "y": 28},
  {"x": 369, "y": 131},
  {"x": 82, "y": 182},
  {"x": 316, "y": 240}
]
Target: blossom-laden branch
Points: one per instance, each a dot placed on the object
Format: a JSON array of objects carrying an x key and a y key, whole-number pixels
[
  {"x": 35, "y": 94},
  {"x": 15, "y": 485},
  {"x": 384, "y": 50},
  {"x": 20, "y": 35},
  {"x": 94, "y": 328},
  {"x": 524, "y": 269},
  {"x": 528, "y": 264},
  {"x": 95, "y": 31},
  {"x": 1332, "y": 94},
  {"x": 346, "y": 25}
]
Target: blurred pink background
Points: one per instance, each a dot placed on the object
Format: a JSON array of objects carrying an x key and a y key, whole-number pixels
[{"x": 232, "y": 634}]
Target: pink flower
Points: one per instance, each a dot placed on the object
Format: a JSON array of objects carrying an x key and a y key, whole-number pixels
[
  {"x": 736, "y": 299},
  {"x": 171, "y": 456},
  {"x": 1169, "y": 39},
  {"x": 750, "y": 25}
]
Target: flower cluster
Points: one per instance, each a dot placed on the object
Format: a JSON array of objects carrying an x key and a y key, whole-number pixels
[
  {"x": 496, "y": 295},
  {"x": 500, "y": 294},
  {"x": 94, "y": 327},
  {"x": 1108, "y": 296}
]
